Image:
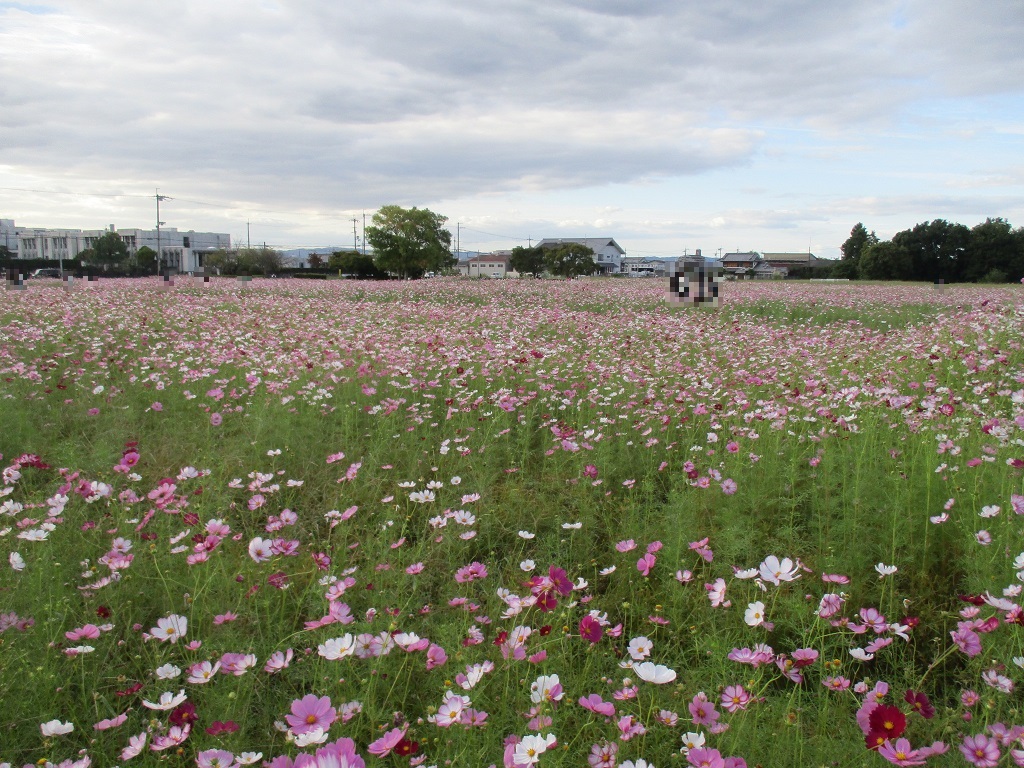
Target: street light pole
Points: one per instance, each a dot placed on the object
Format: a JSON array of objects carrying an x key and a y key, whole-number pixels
[{"x": 159, "y": 253}]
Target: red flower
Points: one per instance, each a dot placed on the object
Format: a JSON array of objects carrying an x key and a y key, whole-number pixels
[
  {"x": 103, "y": 612},
  {"x": 217, "y": 728},
  {"x": 920, "y": 704},
  {"x": 407, "y": 747},
  {"x": 130, "y": 690},
  {"x": 887, "y": 720},
  {"x": 184, "y": 713}
]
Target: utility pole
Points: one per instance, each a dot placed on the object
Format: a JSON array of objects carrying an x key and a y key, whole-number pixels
[
  {"x": 364, "y": 233},
  {"x": 248, "y": 239},
  {"x": 159, "y": 252},
  {"x": 355, "y": 237},
  {"x": 458, "y": 237}
]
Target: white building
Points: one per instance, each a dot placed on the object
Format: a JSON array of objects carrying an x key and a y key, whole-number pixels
[
  {"x": 9, "y": 235},
  {"x": 497, "y": 264},
  {"x": 607, "y": 253},
  {"x": 179, "y": 251}
]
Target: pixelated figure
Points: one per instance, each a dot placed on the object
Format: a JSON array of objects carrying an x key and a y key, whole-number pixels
[
  {"x": 68, "y": 282},
  {"x": 694, "y": 284},
  {"x": 940, "y": 285},
  {"x": 15, "y": 280}
]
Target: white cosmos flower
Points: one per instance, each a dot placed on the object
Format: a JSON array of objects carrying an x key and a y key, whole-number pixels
[
  {"x": 885, "y": 570},
  {"x": 529, "y": 750},
  {"x": 776, "y": 571},
  {"x": 861, "y": 655},
  {"x": 747, "y": 573},
  {"x": 56, "y": 728},
  {"x": 422, "y": 497},
  {"x": 754, "y": 615},
  {"x": 17, "y": 561},
  {"x": 526, "y": 535},
  {"x": 337, "y": 647},
  {"x": 607, "y": 571},
  {"x": 572, "y": 526},
  {"x": 640, "y": 648},
  {"x": 167, "y": 701},
  {"x": 640, "y": 763},
  {"x": 316, "y": 736},
  {"x": 654, "y": 673},
  {"x": 170, "y": 628},
  {"x": 692, "y": 740},
  {"x": 167, "y": 672},
  {"x": 527, "y": 565},
  {"x": 260, "y": 549}
]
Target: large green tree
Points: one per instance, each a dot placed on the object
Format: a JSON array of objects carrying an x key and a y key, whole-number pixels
[
  {"x": 528, "y": 261},
  {"x": 410, "y": 242},
  {"x": 852, "y": 249},
  {"x": 109, "y": 250},
  {"x": 935, "y": 249},
  {"x": 355, "y": 264},
  {"x": 884, "y": 261},
  {"x": 993, "y": 248},
  {"x": 144, "y": 259},
  {"x": 570, "y": 260}
]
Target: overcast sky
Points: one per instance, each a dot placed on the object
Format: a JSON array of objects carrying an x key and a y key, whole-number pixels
[{"x": 769, "y": 125}]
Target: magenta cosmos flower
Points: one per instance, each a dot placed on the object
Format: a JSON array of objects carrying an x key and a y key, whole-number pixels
[
  {"x": 311, "y": 712},
  {"x": 980, "y": 751}
]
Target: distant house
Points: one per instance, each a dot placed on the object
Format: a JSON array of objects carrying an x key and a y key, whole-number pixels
[
  {"x": 644, "y": 266},
  {"x": 792, "y": 260},
  {"x": 607, "y": 253},
  {"x": 497, "y": 264}
]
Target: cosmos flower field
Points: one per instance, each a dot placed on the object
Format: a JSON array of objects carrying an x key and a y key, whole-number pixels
[{"x": 511, "y": 523}]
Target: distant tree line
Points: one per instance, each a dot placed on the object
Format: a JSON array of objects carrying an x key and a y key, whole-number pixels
[{"x": 990, "y": 252}]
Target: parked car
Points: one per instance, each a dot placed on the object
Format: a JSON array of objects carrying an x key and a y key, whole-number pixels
[{"x": 46, "y": 272}]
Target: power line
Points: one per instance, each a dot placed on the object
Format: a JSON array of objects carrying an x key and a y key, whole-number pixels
[{"x": 492, "y": 234}]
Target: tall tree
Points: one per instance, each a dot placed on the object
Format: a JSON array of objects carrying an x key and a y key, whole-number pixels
[
  {"x": 109, "y": 250},
  {"x": 935, "y": 249},
  {"x": 144, "y": 259},
  {"x": 570, "y": 260},
  {"x": 993, "y": 247},
  {"x": 884, "y": 261},
  {"x": 528, "y": 261},
  {"x": 852, "y": 249},
  {"x": 408, "y": 243},
  {"x": 354, "y": 263}
]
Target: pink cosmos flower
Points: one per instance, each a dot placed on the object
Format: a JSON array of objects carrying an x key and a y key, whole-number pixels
[
  {"x": 703, "y": 757},
  {"x": 112, "y": 722},
  {"x": 625, "y": 545},
  {"x": 435, "y": 656},
  {"x": 278, "y": 660},
  {"x": 216, "y": 419},
  {"x": 702, "y": 710},
  {"x": 980, "y": 751},
  {"x": 646, "y": 563},
  {"x": 382, "y": 747},
  {"x": 311, "y": 712},
  {"x": 735, "y": 698},
  {"x": 597, "y": 705}
]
